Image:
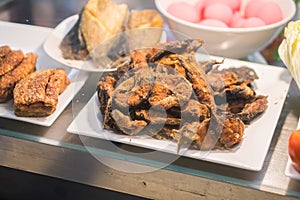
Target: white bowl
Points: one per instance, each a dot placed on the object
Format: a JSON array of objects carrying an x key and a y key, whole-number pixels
[{"x": 228, "y": 42}]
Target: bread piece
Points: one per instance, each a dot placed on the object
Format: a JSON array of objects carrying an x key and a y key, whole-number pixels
[
  {"x": 8, "y": 80},
  {"x": 37, "y": 94}
]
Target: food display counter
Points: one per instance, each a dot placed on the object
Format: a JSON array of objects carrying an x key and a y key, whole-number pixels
[{"x": 45, "y": 147}]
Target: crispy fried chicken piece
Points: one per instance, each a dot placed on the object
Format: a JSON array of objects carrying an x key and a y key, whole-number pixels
[
  {"x": 8, "y": 80},
  {"x": 171, "y": 63},
  {"x": 168, "y": 134},
  {"x": 201, "y": 135},
  {"x": 105, "y": 90},
  {"x": 134, "y": 89},
  {"x": 139, "y": 95},
  {"x": 157, "y": 117},
  {"x": 161, "y": 95},
  {"x": 207, "y": 66},
  {"x": 194, "y": 134},
  {"x": 197, "y": 78},
  {"x": 196, "y": 110},
  {"x": 244, "y": 74},
  {"x": 220, "y": 81},
  {"x": 252, "y": 109},
  {"x": 232, "y": 133},
  {"x": 125, "y": 124},
  {"x": 197, "y": 135},
  {"x": 13, "y": 59},
  {"x": 173, "y": 47},
  {"x": 242, "y": 91},
  {"x": 138, "y": 59},
  {"x": 174, "y": 81}
]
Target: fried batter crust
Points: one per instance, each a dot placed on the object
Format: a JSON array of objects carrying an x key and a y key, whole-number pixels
[
  {"x": 8, "y": 80},
  {"x": 13, "y": 59},
  {"x": 37, "y": 94}
]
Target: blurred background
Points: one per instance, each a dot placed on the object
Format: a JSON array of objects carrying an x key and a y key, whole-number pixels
[{"x": 50, "y": 13}]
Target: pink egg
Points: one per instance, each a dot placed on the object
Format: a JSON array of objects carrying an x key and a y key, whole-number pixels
[
  {"x": 253, "y": 22},
  {"x": 218, "y": 11},
  {"x": 270, "y": 13},
  {"x": 237, "y": 21},
  {"x": 252, "y": 8},
  {"x": 208, "y": 2},
  {"x": 184, "y": 11},
  {"x": 213, "y": 22},
  {"x": 199, "y": 6},
  {"x": 233, "y": 4}
]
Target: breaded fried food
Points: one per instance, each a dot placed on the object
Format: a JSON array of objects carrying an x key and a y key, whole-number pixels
[
  {"x": 13, "y": 59},
  {"x": 8, "y": 80},
  {"x": 4, "y": 50},
  {"x": 37, "y": 94},
  {"x": 144, "y": 28}
]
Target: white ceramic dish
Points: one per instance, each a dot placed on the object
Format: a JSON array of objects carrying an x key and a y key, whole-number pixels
[
  {"x": 53, "y": 41},
  {"x": 250, "y": 154},
  {"x": 290, "y": 171},
  {"x": 228, "y": 42},
  {"x": 30, "y": 39}
]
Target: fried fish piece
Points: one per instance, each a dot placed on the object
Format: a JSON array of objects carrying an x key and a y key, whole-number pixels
[
  {"x": 13, "y": 59},
  {"x": 144, "y": 29},
  {"x": 8, "y": 80},
  {"x": 100, "y": 20},
  {"x": 37, "y": 94},
  {"x": 73, "y": 45}
]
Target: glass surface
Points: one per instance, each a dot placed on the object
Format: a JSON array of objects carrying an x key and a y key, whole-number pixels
[{"x": 271, "y": 178}]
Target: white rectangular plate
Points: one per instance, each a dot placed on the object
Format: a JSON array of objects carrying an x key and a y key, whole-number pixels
[
  {"x": 250, "y": 154},
  {"x": 290, "y": 171},
  {"x": 30, "y": 39}
]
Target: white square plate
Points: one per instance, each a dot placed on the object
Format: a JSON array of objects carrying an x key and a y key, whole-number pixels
[
  {"x": 290, "y": 171},
  {"x": 250, "y": 153},
  {"x": 30, "y": 39}
]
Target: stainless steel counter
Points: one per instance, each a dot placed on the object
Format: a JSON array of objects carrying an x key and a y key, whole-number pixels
[{"x": 54, "y": 152}]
